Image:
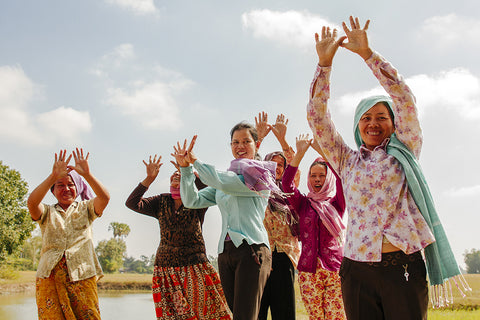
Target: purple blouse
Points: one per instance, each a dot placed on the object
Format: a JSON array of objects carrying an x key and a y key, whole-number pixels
[{"x": 317, "y": 242}]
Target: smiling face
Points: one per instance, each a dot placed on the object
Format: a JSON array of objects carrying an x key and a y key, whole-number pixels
[
  {"x": 280, "y": 166},
  {"x": 65, "y": 192},
  {"x": 243, "y": 145},
  {"x": 375, "y": 125},
  {"x": 317, "y": 176}
]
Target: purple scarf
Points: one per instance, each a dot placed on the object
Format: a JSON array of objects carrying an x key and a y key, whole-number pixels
[
  {"x": 280, "y": 205},
  {"x": 325, "y": 210},
  {"x": 83, "y": 190},
  {"x": 258, "y": 175}
]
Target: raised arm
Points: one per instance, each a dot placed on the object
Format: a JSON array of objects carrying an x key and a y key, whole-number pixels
[
  {"x": 303, "y": 142},
  {"x": 59, "y": 170},
  {"x": 82, "y": 168},
  {"x": 262, "y": 126}
]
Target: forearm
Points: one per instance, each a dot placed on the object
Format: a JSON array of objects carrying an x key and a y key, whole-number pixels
[
  {"x": 102, "y": 196},
  {"x": 297, "y": 158},
  {"x": 34, "y": 201}
]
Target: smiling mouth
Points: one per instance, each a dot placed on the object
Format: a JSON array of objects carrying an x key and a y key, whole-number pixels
[{"x": 373, "y": 133}]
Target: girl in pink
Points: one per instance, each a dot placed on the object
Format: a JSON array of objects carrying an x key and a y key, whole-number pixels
[{"x": 320, "y": 231}]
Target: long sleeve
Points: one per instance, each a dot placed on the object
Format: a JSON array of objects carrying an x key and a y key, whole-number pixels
[
  {"x": 407, "y": 126},
  {"x": 147, "y": 206},
  {"x": 191, "y": 196}
]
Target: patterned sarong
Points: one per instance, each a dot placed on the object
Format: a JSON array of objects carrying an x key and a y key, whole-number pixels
[
  {"x": 61, "y": 299},
  {"x": 189, "y": 292}
]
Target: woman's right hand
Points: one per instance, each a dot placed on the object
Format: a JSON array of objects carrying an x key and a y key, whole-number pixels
[
  {"x": 60, "y": 166},
  {"x": 327, "y": 46},
  {"x": 357, "y": 38}
]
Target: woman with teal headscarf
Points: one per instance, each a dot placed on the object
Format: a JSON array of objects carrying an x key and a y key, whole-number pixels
[{"x": 392, "y": 218}]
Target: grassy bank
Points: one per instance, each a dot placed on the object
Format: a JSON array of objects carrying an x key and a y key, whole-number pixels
[{"x": 463, "y": 307}]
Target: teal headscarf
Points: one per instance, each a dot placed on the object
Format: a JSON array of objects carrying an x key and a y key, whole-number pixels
[{"x": 441, "y": 264}]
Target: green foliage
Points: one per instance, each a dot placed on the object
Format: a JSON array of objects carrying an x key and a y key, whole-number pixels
[
  {"x": 110, "y": 254},
  {"x": 31, "y": 252},
  {"x": 15, "y": 222},
  {"x": 142, "y": 265},
  {"x": 472, "y": 260},
  {"x": 120, "y": 230}
]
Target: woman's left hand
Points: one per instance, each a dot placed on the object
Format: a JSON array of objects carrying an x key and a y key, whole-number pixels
[
  {"x": 183, "y": 155},
  {"x": 357, "y": 38},
  {"x": 81, "y": 162},
  {"x": 262, "y": 126}
]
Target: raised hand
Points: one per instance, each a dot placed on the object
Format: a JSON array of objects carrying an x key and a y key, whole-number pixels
[
  {"x": 153, "y": 166},
  {"x": 262, "y": 126},
  {"x": 60, "y": 166},
  {"x": 303, "y": 142},
  {"x": 327, "y": 46},
  {"x": 357, "y": 38},
  {"x": 81, "y": 162},
  {"x": 279, "y": 129},
  {"x": 183, "y": 155},
  {"x": 175, "y": 164}
]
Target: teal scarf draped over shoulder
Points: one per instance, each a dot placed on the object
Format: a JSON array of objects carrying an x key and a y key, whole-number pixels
[{"x": 441, "y": 264}]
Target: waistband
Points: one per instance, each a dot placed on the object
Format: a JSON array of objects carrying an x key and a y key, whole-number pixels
[{"x": 396, "y": 258}]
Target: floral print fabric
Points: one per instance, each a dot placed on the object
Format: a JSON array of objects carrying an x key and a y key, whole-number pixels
[{"x": 378, "y": 200}]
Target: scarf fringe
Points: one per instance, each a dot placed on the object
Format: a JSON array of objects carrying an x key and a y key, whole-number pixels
[{"x": 441, "y": 295}]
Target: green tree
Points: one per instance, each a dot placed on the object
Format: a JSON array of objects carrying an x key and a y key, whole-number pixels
[
  {"x": 120, "y": 230},
  {"x": 31, "y": 251},
  {"x": 472, "y": 260},
  {"x": 111, "y": 253},
  {"x": 15, "y": 222}
]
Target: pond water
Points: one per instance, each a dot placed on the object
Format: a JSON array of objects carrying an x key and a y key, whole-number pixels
[{"x": 113, "y": 306}]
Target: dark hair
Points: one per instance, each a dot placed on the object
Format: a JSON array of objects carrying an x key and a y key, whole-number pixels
[
  {"x": 245, "y": 125},
  {"x": 322, "y": 163}
]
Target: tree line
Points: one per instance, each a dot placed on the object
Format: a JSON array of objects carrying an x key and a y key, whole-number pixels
[{"x": 21, "y": 242}]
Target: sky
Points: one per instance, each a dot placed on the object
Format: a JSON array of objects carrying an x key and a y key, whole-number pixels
[{"x": 125, "y": 79}]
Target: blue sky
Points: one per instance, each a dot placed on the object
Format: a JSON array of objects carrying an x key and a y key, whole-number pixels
[{"x": 125, "y": 79}]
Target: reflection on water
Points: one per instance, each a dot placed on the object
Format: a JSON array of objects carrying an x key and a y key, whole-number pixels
[{"x": 112, "y": 306}]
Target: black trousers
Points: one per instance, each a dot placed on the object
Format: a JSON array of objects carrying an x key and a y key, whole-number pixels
[
  {"x": 243, "y": 273},
  {"x": 279, "y": 293},
  {"x": 380, "y": 290}
]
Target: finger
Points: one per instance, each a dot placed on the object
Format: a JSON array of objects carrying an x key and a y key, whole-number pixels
[
  {"x": 345, "y": 28},
  {"x": 185, "y": 144},
  {"x": 341, "y": 40},
  {"x": 192, "y": 143},
  {"x": 56, "y": 157},
  {"x": 286, "y": 121},
  {"x": 316, "y": 38},
  {"x": 324, "y": 32},
  {"x": 158, "y": 161},
  {"x": 256, "y": 122},
  {"x": 264, "y": 116},
  {"x": 88, "y": 154},
  {"x": 352, "y": 23},
  {"x": 357, "y": 23},
  {"x": 335, "y": 33},
  {"x": 365, "y": 28},
  {"x": 329, "y": 34},
  {"x": 68, "y": 160},
  {"x": 146, "y": 164}
]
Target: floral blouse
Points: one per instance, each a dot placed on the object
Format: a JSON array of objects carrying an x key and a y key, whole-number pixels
[{"x": 378, "y": 200}]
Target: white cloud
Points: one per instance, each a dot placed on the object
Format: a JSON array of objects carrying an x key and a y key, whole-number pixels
[
  {"x": 456, "y": 90},
  {"x": 292, "y": 28},
  {"x": 140, "y": 7},
  {"x": 19, "y": 124},
  {"x": 67, "y": 123},
  {"x": 144, "y": 93},
  {"x": 451, "y": 29},
  {"x": 152, "y": 104},
  {"x": 464, "y": 192}
]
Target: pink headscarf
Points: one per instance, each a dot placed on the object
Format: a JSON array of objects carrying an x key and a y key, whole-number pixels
[{"x": 325, "y": 210}]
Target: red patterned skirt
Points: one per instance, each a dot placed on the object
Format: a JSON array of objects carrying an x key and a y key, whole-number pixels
[{"x": 189, "y": 292}]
